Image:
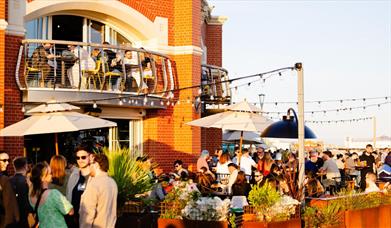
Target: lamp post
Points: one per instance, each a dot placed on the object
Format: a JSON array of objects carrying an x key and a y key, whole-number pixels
[
  {"x": 300, "y": 107},
  {"x": 261, "y": 100}
]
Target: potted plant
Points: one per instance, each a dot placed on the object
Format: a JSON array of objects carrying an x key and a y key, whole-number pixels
[
  {"x": 269, "y": 208},
  {"x": 330, "y": 215},
  {"x": 131, "y": 178}
]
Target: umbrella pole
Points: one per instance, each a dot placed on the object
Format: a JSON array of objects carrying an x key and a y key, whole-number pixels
[
  {"x": 56, "y": 142},
  {"x": 240, "y": 146}
]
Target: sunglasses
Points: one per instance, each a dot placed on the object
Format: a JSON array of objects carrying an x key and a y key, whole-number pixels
[
  {"x": 81, "y": 157},
  {"x": 4, "y": 160},
  {"x": 257, "y": 176},
  {"x": 176, "y": 166}
]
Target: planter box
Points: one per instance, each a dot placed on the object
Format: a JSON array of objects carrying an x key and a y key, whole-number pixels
[
  {"x": 385, "y": 216},
  {"x": 179, "y": 223},
  {"x": 291, "y": 223},
  {"x": 368, "y": 217}
]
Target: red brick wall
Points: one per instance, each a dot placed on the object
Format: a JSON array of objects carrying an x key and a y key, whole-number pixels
[
  {"x": 214, "y": 43},
  {"x": 211, "y": 137},
  {"x": 166, "y": 136},
  {"x": 10, "y": 95}
]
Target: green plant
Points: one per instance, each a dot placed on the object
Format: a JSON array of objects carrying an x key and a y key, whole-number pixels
[
  {"x": 329, "y": 215},
  {"x": 130, "y": 177},
  {"x": 264, "y": 196}
]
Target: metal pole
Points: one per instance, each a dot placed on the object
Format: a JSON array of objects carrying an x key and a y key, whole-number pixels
[
  {"x": 374, "y": 132},
  {"x": 300, "y": 100}
]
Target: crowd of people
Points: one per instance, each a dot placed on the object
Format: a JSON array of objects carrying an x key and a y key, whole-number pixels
[
  {"x": 325, "y": 173},
  {"x": 64, "y": 195},
  {"x": 58, "y": 194},
  {"x": 79, "y": 64}
]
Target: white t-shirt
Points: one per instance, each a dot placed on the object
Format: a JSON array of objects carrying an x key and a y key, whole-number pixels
[
  {"x": 246, "y": 163},
  {"x": 222, "y": 168}
]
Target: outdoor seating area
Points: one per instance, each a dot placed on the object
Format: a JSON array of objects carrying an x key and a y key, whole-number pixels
[{"x": 50, "y": 64}]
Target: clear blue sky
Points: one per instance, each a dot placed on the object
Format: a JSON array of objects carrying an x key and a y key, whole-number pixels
[{"x": 345, "y": 48}]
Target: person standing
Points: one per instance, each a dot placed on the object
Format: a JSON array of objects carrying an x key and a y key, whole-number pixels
[
  {"x": 9, "y": 213},
  {"x": 77, "y": 181},
  {"x": 368, "y": 165},
  {"x": 58, "y": 164},
  {"x": 21, "y": 189},
  {"x": 98, "y": 206},
  {"x": 49, "y": 204}
]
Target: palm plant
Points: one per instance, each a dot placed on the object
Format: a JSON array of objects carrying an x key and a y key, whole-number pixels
[{"x": 131, "y": 178}]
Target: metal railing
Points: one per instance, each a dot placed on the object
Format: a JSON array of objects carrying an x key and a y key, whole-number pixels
[
  {"x": 54, "y": 64},
  {"x": 215, "y": 86}
]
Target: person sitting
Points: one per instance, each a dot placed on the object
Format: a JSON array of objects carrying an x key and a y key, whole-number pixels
[
  {"x": 222, "y": 166},
  {"x": 385, "y": 169},
  {"x": 240, "y": 191},
  {"x": 258, "y": 179},
  {"x": 178, "y": 166},
  {"x": 313, "y": 187},
  {"x": 370, "y": 180},
  {"x": 85, "y": 62},
  {"x": 204, "y": 180},
  {"x": 202, "y": 160},
  {"x": 331, "y": 169},
  {"x": 233, "y": 170},
  {"x": 43, "y": 59}
]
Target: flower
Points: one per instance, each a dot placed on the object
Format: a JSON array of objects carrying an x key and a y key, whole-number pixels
[{"x": 207, "y": 209}]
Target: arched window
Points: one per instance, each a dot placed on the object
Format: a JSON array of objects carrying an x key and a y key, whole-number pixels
[{"x": 73, "y": 28}]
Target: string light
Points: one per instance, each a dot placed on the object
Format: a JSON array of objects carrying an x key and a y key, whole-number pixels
[
  {"x": 95, "y": 105},
  {"x": 1, "y": 108},
  {"x": 23, "y": 109},
  {"x": 120, "y": 102}
]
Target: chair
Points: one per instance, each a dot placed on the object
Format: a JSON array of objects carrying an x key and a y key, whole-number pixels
[
  {"x": 93, "y": 74},
  {"x": 29, "y": 69},
  {"x": 111, "y": 74}
]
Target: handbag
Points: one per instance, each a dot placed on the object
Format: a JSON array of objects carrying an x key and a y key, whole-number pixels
[{"x": 33, "y": 218}]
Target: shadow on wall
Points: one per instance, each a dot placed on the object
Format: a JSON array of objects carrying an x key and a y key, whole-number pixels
[{"x": 165, "y": 155}]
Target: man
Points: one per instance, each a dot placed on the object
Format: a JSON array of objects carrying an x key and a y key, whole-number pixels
[
  {"x": 178, "y": 166},
  {"x": 78, "y": 180},
  {"x": 43, "y": 59},
  {"x": 370, "y": 180},
  {"x": 233, "y": 170},
  {"x": 4, "y": 162},
  {"x": 314, "y": 163},
  {"x": 21, "y": 189},
  {"x": 9, "y": 213},
  {"x": 368, "y": 162},
  {"x": 331, "y": 169},
  {"x": 246, "y": 163},
  {"x": 99, "y": 201},
  {"x": 259, "y": 180}
]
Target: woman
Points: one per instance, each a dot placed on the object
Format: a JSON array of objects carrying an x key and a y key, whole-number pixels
[
  {"x": 265, "y": 164},
  {"x": 385, "y": 170},
  {"x": 240, "y": 190},
  {"x": 58, "y": 163},
  {"x": 52, "y": 205},
  {"x": 202, "y": 160},
  {"x": 222, "y": 166}
]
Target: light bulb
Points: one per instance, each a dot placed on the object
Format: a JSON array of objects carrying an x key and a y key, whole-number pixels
[
  {"x": 23, "y": 109},
  {"x": 95, "y": 105},
  {"x": 120, "y": 102}
]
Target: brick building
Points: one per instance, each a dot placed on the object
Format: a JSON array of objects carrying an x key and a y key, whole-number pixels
[{"x": 181, "y": 38}]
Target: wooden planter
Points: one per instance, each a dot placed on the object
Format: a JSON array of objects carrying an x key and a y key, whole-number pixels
[
  {"x": 368, "y": 217},
  {"x": 179, "y": 223},
  {"x": 291, "y": 223}
]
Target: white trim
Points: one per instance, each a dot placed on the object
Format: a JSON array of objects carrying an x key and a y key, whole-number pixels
[
  {"x": 178, "y": 50},
  {"x": 127, "y": 19},
  {"x": 217, "y": 20},
  {"x": 3, "y": 24},
  {"x": 15, "y": 30}
]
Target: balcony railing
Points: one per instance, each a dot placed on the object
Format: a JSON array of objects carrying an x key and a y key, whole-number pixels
[
  {"x": 215, "y": 86},
  {"x": 67, "y": 65}
]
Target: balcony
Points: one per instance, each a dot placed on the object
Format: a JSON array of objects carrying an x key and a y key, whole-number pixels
[
  {"x": 88, "y": 73},
  {"x": 216, "y": 92}
]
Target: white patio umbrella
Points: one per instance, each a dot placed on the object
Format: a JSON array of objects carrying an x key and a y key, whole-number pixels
[
  {"x": 55, "y": 122},
  {"x": 243, "y": 117},
  {"x": 248, "y": 137}
]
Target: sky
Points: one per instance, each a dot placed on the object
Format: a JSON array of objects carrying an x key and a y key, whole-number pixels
[{"x": 345, "y": 48}]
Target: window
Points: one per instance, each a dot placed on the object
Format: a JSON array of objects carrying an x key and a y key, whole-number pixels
[{"x": 73, "y": 28}]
